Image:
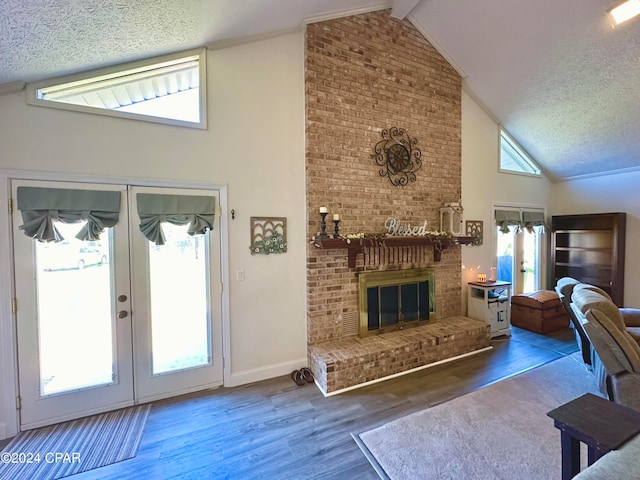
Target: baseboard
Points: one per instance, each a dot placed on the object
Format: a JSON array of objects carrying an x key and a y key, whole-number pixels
[{"x": 264, "y": 373}]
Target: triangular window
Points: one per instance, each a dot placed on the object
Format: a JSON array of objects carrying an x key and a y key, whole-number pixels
[
  {"x": 168, "y": 89},
  {"x": 514, "y": 158}
]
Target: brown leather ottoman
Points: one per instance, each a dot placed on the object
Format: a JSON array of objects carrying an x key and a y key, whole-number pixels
[{"x": 539, "y": 312}]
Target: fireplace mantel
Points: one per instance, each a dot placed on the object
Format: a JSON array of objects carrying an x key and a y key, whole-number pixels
[{"x": 354, "y": 246}]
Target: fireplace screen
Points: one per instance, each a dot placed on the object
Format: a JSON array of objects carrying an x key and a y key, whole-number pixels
[{"x": 394, "y": 300}]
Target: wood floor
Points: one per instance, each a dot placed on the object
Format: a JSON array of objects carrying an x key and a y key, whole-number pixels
[{"x": 277, "y": 430}]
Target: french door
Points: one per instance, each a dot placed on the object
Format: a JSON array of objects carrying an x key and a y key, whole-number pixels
[
  {"x": 113, "y": 319},
  {"x": 519, "y": 258}
]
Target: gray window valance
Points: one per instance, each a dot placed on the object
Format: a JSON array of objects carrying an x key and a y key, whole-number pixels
[
  {"x": 153, "y": 209},
  {"x": 41, "y": 206},
  {"x": 520, "y": 219},
  {"x": 532, "y": 219},
  {"x": 507, "y": 218}
]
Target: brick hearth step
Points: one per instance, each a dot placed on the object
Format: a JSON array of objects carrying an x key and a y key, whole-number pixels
[{"x": 355, "y": 361}]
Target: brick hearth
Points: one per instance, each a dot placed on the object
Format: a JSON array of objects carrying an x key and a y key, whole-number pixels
[{"x": 354, "y": 361}]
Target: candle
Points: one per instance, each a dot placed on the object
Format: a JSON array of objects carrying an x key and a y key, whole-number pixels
[
  {"x": 336, "y": 216},
  {"x": 323, "y": 210},
  {"x": 482, "y": 277},
  {"x": 492, "y": 274}
]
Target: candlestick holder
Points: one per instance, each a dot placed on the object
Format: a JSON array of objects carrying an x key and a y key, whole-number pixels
[
  {"x": 336, "y": 232},
  {"x": 323, "y": 226}
]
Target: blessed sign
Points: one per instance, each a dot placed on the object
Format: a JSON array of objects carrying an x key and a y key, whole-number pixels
[{"x": 394, "y": 227}]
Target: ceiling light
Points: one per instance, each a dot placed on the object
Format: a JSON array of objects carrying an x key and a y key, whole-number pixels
[{"x": 624, "y": 11}]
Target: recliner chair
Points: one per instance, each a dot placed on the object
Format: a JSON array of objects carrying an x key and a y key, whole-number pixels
[
  {"x": 564, "y": 289},
  {"x": 615, "y": 354}
]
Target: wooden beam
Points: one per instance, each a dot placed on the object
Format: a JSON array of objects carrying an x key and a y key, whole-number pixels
[{"x": 402, "y": 8}]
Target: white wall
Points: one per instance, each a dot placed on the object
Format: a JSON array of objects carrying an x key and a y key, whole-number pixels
[
  {"x": 605, "y": 194},
  {"x": 254, "y": 145},
  {"x": 257, "y": 125},
  {"x": 483, "y": 185}
]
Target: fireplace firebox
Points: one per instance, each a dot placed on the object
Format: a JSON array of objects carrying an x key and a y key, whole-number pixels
[{"x": 395, "y": 300}]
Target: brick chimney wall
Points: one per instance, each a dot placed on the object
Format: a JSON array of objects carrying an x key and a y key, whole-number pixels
[{"x": 366, "y": 73}]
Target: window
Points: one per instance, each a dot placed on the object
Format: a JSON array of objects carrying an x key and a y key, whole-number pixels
[
  {"x": 513, "y": 158},
  {"x": 169, "y": 89}
]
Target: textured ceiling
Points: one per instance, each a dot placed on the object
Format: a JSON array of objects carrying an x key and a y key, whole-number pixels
[
  {"x": 39, "y": 38},
  {"x": 45, "y": 38},
  {"x": 559, "y": 78},
  {"x": 554, "y": 73}
]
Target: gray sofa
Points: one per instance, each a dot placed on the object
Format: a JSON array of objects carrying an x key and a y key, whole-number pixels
[
  {"x": 621, "y": 464},
  {"x": 564, "y": 289},
  {"x": 630, "y": 316},
  {"x": 614, "y": 344},
  {"x": 609, "y": 340}
]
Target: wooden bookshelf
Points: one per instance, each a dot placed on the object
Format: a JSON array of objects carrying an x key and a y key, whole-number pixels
[{"x": 590, "y": 248}]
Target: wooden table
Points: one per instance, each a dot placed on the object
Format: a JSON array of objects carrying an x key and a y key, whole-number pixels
[{"x": 600, "y": 424}]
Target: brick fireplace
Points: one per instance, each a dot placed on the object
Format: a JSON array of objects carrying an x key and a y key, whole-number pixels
[
  {"x": 392, "y": 300},
  {"x": 366, "y": 73}
]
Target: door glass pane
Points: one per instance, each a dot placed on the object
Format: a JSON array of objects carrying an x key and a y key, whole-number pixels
[
  {"x": 180, "y": 320},
  {"x": 530, "y": 259},
  {"x": 75, "y": 312},
  {"x": 505, "y": 253}
]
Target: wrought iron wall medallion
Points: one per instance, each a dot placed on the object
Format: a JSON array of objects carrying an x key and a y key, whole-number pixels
[{"x": 398, "y": 156}]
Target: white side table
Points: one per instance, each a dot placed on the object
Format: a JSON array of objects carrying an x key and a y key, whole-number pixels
[{"x": 491, "y": 303}]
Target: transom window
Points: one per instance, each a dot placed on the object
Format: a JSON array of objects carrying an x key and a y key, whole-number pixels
[
  {"x": 168, "y": 89},
  {"x": 514, "y": 158}
]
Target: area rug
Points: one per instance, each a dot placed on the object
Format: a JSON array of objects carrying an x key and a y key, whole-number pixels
[
  {"x": 501, "y": 432},
  {"x": 57, "y": 451}
]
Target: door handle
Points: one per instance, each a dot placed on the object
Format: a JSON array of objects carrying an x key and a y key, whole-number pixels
[{"x": 122, "y": 314}]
